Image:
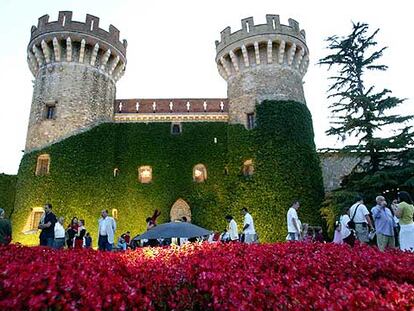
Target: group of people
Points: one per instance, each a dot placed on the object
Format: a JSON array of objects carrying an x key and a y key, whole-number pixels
[
  {"x": 54, "y": 234},
  {"x": 248, "y": 234},
  {"x": 391, "y": 225}
]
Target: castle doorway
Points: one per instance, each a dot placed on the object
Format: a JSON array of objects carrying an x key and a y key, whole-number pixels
[{"x": 180, "y": 209}]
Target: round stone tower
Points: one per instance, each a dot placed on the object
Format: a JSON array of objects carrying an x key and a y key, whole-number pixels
[
  {"x": 76, "y": 66},
  {"x": 262, "y": 62}
]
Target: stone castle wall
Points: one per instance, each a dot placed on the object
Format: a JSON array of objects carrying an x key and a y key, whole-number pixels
[
  {"x": 76, "y": 66},
  {"x": 82, "y": 96},
  {"x": 262, "y": 62}
]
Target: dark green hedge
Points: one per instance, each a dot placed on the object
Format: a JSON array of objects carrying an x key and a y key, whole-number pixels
[
  {"x": 81, "y": 178},
  {"x": 7, "y": 192}
]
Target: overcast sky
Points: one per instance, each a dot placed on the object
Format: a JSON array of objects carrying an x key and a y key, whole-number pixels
[{"x": 171, "y": 50}]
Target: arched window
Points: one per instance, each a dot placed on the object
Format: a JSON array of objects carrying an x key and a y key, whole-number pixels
[
  {"x": 115, "y": 213},
  {"x": 176, "y": 128},
  {"x": 248, "y": 168},
  {"x": 145, "y": 174},
  {"x": 199, "y": 173},
  {"x": 116, "y": 172},
  {"x": 43, "y": 164}
]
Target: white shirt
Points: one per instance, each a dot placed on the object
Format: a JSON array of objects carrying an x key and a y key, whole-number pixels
[
  {"x": 248, "y": 219},
  {"x": 345, "y": 232},
  {"x": 233, "y": 230},
  {"x": 292, "y": 214},
  {"x": 59, "y": 231},
  {"x": 360, "y": 213},
  {"x": 107, "y": 227}
]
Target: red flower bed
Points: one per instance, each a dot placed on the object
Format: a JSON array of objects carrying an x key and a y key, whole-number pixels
[{"x": 285, "y": 276}]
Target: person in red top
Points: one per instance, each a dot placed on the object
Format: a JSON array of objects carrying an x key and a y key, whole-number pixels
[
  {"x": 80, "y": 234},
  {"x": 71, "y": 231}
]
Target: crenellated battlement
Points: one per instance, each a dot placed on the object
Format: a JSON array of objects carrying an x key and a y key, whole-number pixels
[
  {"x": 90, "y": 27},
  {"x": 265, "y": 44},
  {"x": 75, "y": 42},
  {"x": 261, "y": 62},
  {"x": 249, "y": 29}
]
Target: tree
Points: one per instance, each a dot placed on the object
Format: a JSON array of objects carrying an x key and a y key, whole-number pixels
[{"x": 359, "y": 111}]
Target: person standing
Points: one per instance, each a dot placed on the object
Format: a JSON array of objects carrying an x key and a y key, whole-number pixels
[
  {"x": 293, "y": 223},
  {"x": 384, "y": 224},
  {"x": 405, "y": 213},
  {"x": 47, "y": 225},
  {"x": 360, "y": 216},
  {"x": 59, "y": 241},
  {"x": 347, "y": 235},
  {"x": 71, "y": 231},
  {"x": 106, "y": 231},
  {"x": 233, "y": 231},
  {"x": 248, "y": 227},
  {"x": 80, "y": 234},
  {"x": 5, "y": 229}
]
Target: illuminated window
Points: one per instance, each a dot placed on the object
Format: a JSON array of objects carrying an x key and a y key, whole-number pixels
[
  {"x": 199, "y": 173},
  {"x": 43, "y": 164},
  {"x": 116, "y": 172},
  {"x": 145, "y": 174},
  {"x": 115, "y": 213},
  {"x": 248, "y": 168},
  {"x": 33, "y": 220}
]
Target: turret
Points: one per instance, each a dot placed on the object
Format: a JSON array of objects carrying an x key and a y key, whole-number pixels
[
  {"x": 76, "y": 66},
  {"x": 261, "y": 62}
]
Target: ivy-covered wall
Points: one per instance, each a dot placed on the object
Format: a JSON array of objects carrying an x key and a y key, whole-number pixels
[
  {"x": 7, "y": 192},
  {"x": 81, "y": 181}
]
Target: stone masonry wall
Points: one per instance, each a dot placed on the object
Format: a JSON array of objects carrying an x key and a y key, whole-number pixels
[
  {"x": 259, "y": 83},
  {"x": 83, "y": 96}
]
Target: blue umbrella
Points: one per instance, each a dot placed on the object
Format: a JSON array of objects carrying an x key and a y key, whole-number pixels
[{"x": 173, "y": 230}]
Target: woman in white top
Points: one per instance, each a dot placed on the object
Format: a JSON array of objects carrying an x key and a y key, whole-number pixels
[{"x": 348, "y": 236}]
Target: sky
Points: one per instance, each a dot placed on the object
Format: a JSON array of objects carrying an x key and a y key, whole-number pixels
[{"x": 171, "y": 51}]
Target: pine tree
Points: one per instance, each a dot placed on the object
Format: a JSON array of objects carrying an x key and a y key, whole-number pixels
[{"x": 359, "y": 111}]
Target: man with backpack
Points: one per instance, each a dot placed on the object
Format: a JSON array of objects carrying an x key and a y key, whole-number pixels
[{"x": 360, "y": 220}]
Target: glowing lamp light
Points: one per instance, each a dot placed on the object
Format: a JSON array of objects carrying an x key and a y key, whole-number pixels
[
  {"x": 198, "y": 173},
  {"x": 146, "y": 174}
]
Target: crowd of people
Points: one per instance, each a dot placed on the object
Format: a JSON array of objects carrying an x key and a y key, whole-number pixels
[{"x": 391, "y": 226}]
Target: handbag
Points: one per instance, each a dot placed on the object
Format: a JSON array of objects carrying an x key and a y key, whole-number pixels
[{"x": 351, "y": 223}]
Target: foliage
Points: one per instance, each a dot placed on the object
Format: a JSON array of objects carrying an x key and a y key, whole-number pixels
[
  {"x": 358, "y": 110},
  {"x": 81, "y": 180},
  {"x": 7, "y": 192},
  {"x": 283, "y": 276}
]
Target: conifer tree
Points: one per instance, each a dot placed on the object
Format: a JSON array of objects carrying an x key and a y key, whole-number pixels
[{"x": 360, "y": 111}]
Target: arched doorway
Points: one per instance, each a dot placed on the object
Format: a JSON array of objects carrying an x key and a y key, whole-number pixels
[{"x": 179, "y": 209}]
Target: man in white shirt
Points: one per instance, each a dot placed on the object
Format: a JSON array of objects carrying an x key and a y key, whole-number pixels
[
  {"x": 106, "y": 231},
  {"x": 359, "y": 214},
  {"x": 59, "y": 240},
  {"x": 293, "y": 223},
  {"x": 232, "y": 229},
  {"x": 248, "y": 227}
]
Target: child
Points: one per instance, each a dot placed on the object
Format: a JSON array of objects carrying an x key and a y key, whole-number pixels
[{"x": 88, "y": 240}]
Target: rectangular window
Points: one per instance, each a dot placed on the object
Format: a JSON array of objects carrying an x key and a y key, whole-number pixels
[
  {"x": 251, "y": 122},
  {"x": 42, "y": 166},
  {"x": 50, "y": 112}
]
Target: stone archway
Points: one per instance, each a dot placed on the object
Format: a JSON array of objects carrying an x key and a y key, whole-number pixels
[{"x": 179, "y": 209}]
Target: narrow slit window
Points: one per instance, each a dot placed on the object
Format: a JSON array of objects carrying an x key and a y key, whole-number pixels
[
  {"x": 50, "y": 111},
  {"x": 251, "y": 122},
  {"x": 115, "y": 213}
]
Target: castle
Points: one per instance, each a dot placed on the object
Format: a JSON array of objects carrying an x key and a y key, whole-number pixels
[{"x": 202, "y": 157}]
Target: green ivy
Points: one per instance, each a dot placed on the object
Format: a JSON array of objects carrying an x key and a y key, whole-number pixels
[
  {"x": 7, "y": 192},
  {"x": 81, "y": 181}
]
